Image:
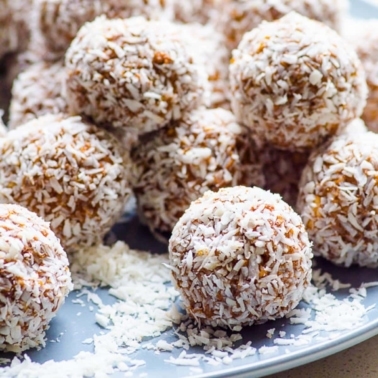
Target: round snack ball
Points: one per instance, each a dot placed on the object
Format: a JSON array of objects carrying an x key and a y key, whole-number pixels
[
  {"x": 295, "y": 82},
  {"x": 70, "y": 173},
  {"x": 58, "y": 21},
  {"x": 132, "y": 73},
  {"x": 363, "y": 37},
  {"x": 338, "y": 197},
  {"x": 240, "y": 256},
  {"x": 37, "y": 91},
  {"x": 34, "y": 278},
  {"x": 206, "y": 150},
  {"x": 238, "y": 17},
  {"x": 207, "y": 47}
]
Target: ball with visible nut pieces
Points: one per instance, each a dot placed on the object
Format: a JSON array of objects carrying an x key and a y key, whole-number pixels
[
  {"x": 338, "y": 199},
  {"x": 295, "y": 82},
  {"x": 240, "y": 256}
]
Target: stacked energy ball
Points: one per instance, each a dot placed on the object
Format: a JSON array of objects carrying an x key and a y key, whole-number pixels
[{"x": 208, "y": 112}]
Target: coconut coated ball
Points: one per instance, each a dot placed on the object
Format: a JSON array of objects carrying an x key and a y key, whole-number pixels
[
  {"x": 132, "y": 73},
  {"x": 34, "y": 278},
  {"x": 70, "y": 173},
  {"x": 338, "y": 199},
  {"x": 58, "y": 21},
  {"x": 238, "y": 17},
  {"x": 37, "y": 91},
  {"x": 208, "y": 49},
  {"x": 357, "y": 126},
  {"x": 240, "y": 256},
  {"x": 206, "y": 150},
  {"x": 295, "y": 82}
]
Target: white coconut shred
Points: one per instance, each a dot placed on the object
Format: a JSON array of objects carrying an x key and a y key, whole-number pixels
[{"x": 145, "y": 308}]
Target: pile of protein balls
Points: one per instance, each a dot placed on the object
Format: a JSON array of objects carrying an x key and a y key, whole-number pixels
[{"x": 203, "y": 110}]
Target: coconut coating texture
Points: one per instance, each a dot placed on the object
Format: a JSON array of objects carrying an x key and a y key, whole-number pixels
[
  {"x": 59, "y": 21},
  {"x": 295, "y": 82},
  {"x": 238, "y": 17},
  {"x": 363, "y": 37},
  {"x": 206, "y": 150},
  {"x": 37, "y": 91},
  {"x": 79, "y": 177},
  {"x": 14, "y": 30},
  {"x": 207, "y": 47},
  {"x": 240, "y": 256},
  {"x": 338, "y": 199},
  {"x": 283, "y": 169},
  {"x": 132, "y": 73},
  {"x": 34, "y": 278}
]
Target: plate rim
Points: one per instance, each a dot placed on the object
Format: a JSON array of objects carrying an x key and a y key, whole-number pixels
[{"x": 298, "y": 358}]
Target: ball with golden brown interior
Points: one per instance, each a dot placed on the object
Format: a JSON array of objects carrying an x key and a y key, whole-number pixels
[
  {"x": 206, "y": 150},
  {"x": 71, "y": 173}
]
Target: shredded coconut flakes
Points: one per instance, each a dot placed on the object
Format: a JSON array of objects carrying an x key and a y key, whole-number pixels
[{"x": 145, "y": 309}]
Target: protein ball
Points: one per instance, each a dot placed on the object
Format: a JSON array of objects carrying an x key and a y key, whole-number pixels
[
  {"x": 37, "y": 91},
  {"x": 34, "y": 278},
  {"x": 240, "y": 256},
  {"x": 132, "y": 73},
  {"x": 295, "y": 82},
  {"x": 206, "y": 150},
  {"x": 338, "y": 200},
  {"x": 208, "y": 49},
  {"x": 58, "y": 21},
  {"x": 240, "y": 16},
  {"x": 363, "y": 37},
  {"x": 70, "y": 173}
]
